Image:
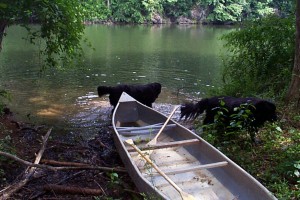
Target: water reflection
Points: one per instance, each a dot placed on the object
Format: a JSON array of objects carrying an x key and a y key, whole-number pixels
[{"x": 184, "y": 59}]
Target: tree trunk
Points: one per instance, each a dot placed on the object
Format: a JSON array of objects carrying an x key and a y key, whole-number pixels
[
  {"x": 294, "y": 89},
  {"x": 3, "y": 25}
]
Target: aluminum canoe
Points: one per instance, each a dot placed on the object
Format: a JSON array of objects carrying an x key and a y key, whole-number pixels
[{"x": 195, "y": 166}]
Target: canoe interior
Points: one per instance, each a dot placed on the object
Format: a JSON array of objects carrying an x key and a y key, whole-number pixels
[{"x": 224, "y": 182}]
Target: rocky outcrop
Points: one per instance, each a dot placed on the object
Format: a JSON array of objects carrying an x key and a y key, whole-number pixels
[
  {"x": 156, "y": 19},
  {"x": 198, "y": 15},
  {"x": 185, "y": 20}
]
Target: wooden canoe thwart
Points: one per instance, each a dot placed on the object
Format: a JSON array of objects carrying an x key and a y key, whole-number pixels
[
  {"x": 168, "y": 144},
  {"x": 168, "y": 161}
]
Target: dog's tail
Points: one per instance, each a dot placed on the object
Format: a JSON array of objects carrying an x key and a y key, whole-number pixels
[
  {"x": 192, "y": 111},
  {"x": 103, "y": 90}
]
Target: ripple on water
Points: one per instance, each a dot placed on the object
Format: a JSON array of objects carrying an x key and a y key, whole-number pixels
[{"x": 96, "y": 114}]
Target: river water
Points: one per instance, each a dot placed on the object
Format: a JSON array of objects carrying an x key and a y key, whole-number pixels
[{"x": 185, "y": 59}]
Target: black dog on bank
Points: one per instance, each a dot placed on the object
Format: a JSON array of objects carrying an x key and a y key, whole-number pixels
[
  {"x": 262, "y": 110},
  {"x": 145, "y": 94}
]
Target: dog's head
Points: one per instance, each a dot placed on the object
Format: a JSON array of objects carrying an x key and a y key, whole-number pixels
[
  {"x": 202, "y": 105},
  {"x": 156, "y": 88},
  {"x": 102, "y": 90},
  {"x": 265, "y": 111}
]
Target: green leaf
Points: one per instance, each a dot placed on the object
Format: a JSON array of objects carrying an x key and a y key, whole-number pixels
[
  {"x": 3, "y": 5},
  {"x": 279, "y": 129}
]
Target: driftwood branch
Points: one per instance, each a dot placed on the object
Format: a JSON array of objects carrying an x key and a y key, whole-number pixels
[
  {"x": 6, "y": 193},
  {"x": 71, "y": 166},
  {"x": 39, "y": 193}
]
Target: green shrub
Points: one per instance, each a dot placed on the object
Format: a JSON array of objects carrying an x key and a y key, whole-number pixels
[
  {"x": 275, "y": 162},
  {"x": 261, "y": 58}
]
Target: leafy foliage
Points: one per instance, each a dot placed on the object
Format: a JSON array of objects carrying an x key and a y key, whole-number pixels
[
  {"x": 223, "y": 11},
  {"x": 174, "y": 9},
  {"x": 227, "y": 127},
  {"x": 95, "y": 10},
  {"x": 262, "y": 50},
  {"x": 284, "y": 7},
  {"x": 61, "y": 25},
  {"x": 218, "y": 11},
  {"x": 128, "y": 11},
  {"x": 237, "y": 10},
  {"x": 151, "y": 7}
]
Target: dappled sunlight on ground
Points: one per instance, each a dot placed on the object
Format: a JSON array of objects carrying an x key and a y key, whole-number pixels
[
  {"x": 37, "y": 99},
  {"x": 53, "y": 110},
  {"x": 46, "y": 109},
  {"x": 49, "y": 112}
]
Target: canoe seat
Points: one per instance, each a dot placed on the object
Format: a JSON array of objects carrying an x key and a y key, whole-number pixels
[
  {"x": 150, "y": 129},
  {"x": 134, "y": 128},
  {"x": 192, "y": 168}
]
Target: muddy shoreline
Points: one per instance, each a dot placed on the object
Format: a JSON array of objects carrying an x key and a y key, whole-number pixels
[{"x": 25, "y": 139}]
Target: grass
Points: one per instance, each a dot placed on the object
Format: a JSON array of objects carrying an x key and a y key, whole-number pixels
[{"x": 275, "y": 162}]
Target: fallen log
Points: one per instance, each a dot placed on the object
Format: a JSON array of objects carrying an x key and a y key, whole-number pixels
[
  {"x": 71, "y": 190},
  {"x": 63, "y": 163}
]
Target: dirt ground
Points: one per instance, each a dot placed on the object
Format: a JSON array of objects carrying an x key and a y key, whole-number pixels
[{"x": 25, "y": 141}]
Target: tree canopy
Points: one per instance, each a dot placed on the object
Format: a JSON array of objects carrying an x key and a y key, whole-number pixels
[{"x": 61, "y": 25}]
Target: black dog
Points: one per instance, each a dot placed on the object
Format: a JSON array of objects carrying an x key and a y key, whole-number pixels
[
  {"x": 262, "y": 110},
  {"x": 145, "y": 94}
]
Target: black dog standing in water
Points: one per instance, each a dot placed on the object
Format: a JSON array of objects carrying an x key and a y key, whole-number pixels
[
  {"x": 262, "y": 110},
  {"x": 145, "y": 94}
]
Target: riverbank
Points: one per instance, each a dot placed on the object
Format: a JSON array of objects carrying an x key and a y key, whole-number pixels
[{"x": 63, "y": 150}]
